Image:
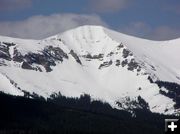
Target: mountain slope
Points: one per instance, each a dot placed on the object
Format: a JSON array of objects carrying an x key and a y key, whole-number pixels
[
  {"x": 91, "y": 59},
  {"x": 163, "y": 55}
]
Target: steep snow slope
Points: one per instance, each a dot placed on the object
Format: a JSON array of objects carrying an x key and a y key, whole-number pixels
[
  {"x": 94, "y": 60},
  {"x": 7, "y": 87},
  {"x": 160, "y": 57}
]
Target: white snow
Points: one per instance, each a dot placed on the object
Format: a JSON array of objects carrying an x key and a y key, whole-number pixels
[
  {"x": 7, "y": 87},
  {"x": 163, "y": 55},
  {"x": 110, "y": 83}
]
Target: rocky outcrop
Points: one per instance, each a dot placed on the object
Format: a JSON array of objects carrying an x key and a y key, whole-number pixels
[
  {"x": 46, "y": 58},
  {"x": 105, "y": 64},
  {"x": 118, "y": 62},
  {"x": 55, "y": 53},
  {"x": 26, "y": 65},
  {"x": 131, "y": 104},
  {"x": 75, "y": 57},
  {"x": 89, "y": 56},
  {"x": 124, "y": 63},
  {"x": 17, "y": 56},
  {"x": 4, "y": 51},
  {"x": 120, "y": 46},
  {"x": 132, "y": 65},
  {"x": 9, "y": 44},
  {"x": 126, "y": 53}
]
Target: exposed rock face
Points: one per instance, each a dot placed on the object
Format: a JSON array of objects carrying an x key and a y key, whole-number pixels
[
  {"x": 131, "y": 104},
  {"x": 75, "y": 57},
  {"x": 4, "y": 50},
  {"x": 118, "y": 62},
  {"x": 17, "y": 56},
  {"x": 110, "y": 54},
  {"x": 9, "y": 44},
  {"x": 124, "y": 63},
  {"x": 132, "y": 65},
  {"x": 47, "y": 57},
  {"x": 121, "y": 56},
  {"x": 55, "y": 53},
  {"x": 106, "y": 64},
  {"x": 50, "y": 55},
  {"x": 89, "y": 56},
  {"x": 25, "y": 65},
  {"x": 40, "y": 59},
  {"x": 126, "y": 53}
]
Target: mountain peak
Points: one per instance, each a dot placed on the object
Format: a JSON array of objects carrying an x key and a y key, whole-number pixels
[{"x": 95, "y": 60}]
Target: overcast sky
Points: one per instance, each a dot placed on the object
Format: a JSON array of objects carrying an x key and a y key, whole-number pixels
[{"x": 37, "y": 19}]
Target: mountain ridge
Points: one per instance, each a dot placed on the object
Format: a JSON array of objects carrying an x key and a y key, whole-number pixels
[
  {"x": 93, "y": 60},
  {"x": 4, "y": 36}
]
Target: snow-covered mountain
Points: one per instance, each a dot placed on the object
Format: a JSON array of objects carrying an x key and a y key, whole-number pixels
[{"x": 108, "y": 65}]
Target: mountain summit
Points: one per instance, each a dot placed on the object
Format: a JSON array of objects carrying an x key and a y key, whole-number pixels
[{"x": 119, "y": 69}]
